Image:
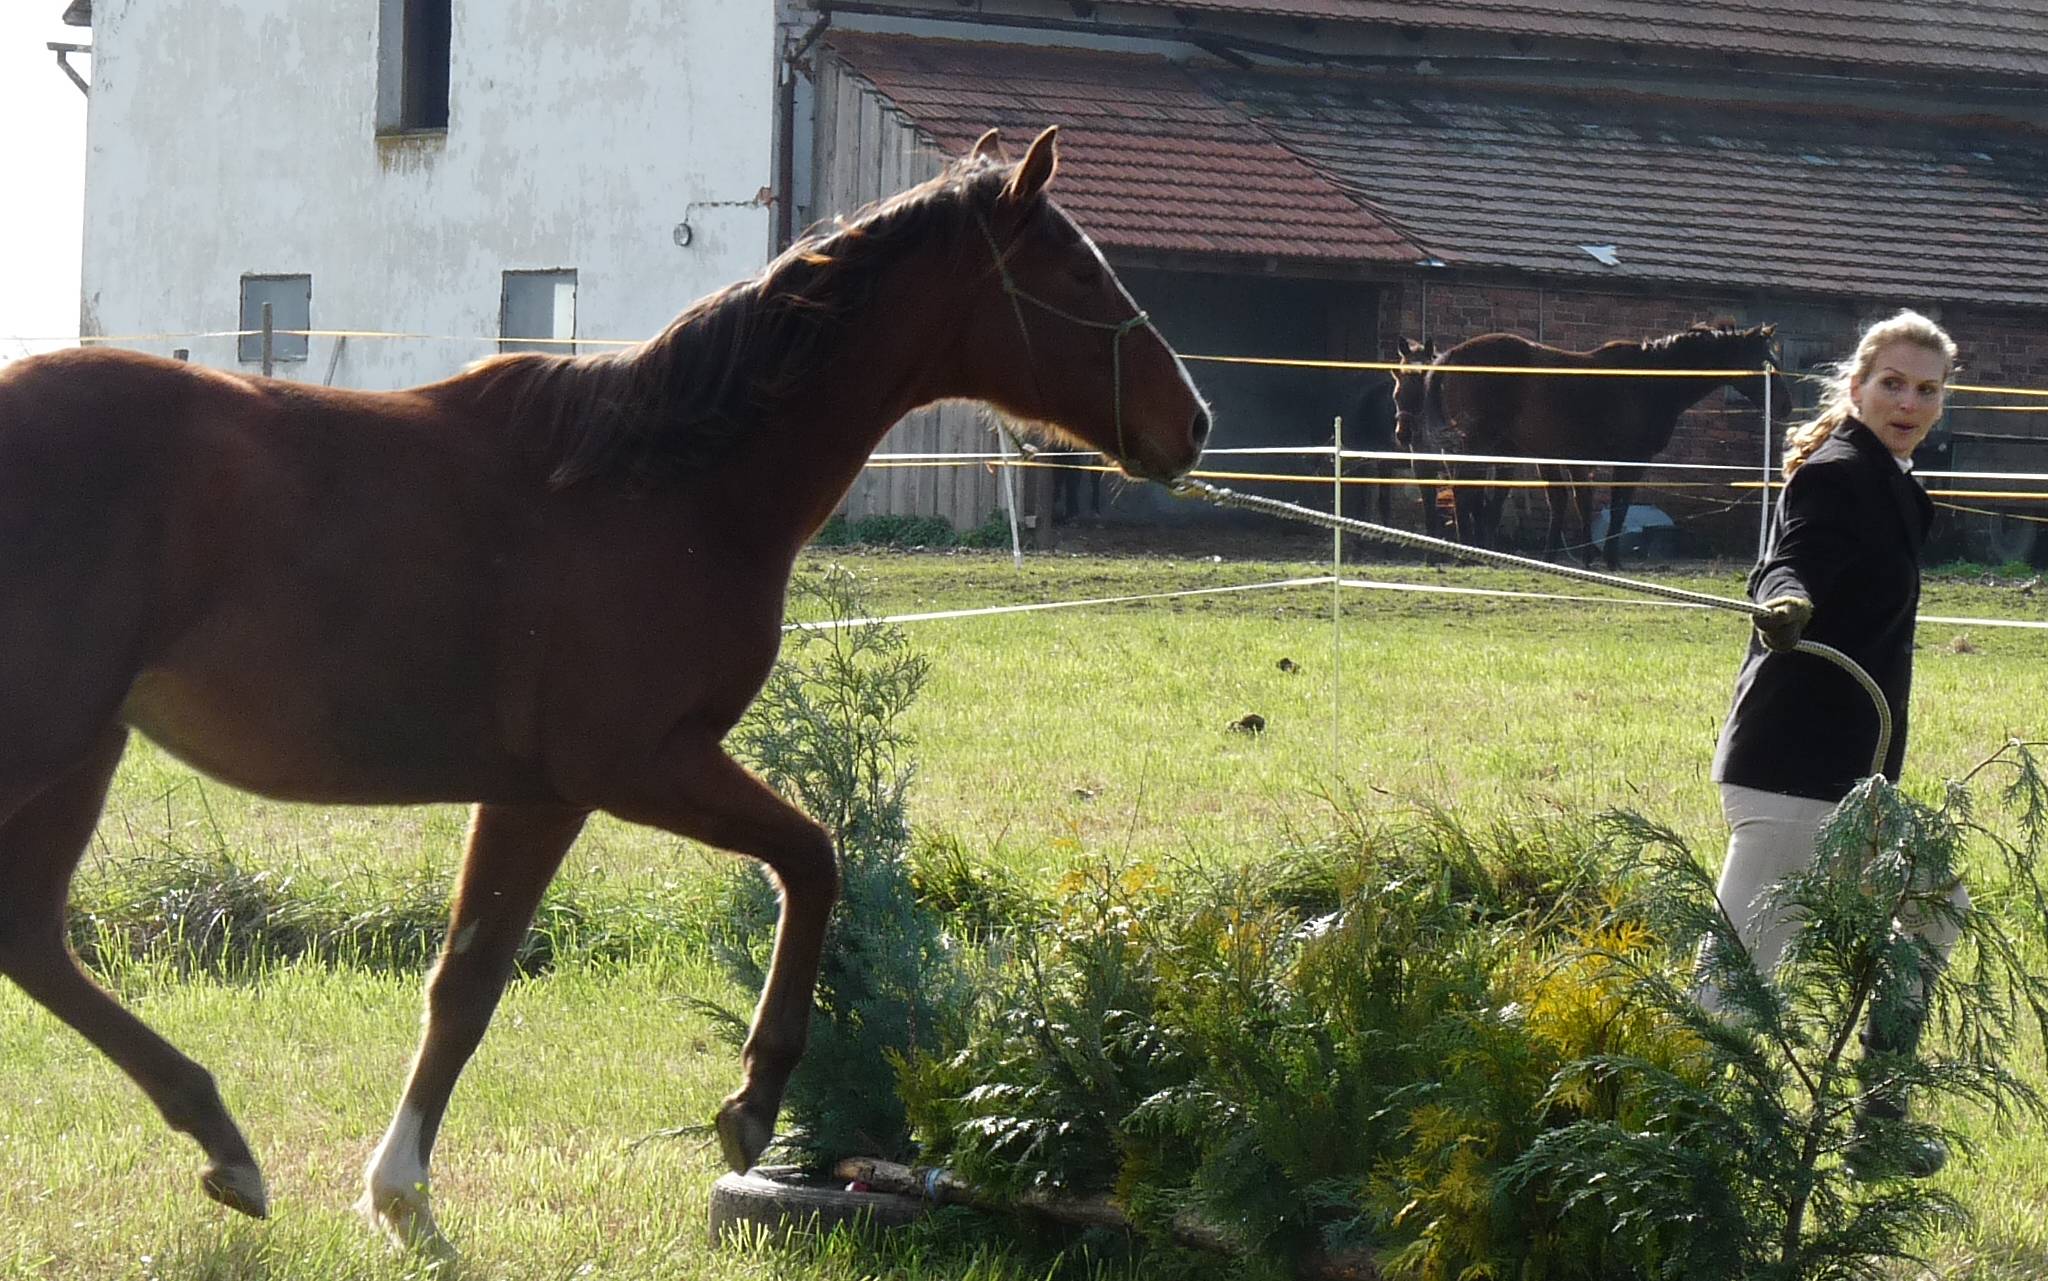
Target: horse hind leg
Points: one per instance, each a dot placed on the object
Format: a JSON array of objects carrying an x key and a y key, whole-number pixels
[
  {"x": 512, "y": 854},
  {"x": 43, "y": 832}
]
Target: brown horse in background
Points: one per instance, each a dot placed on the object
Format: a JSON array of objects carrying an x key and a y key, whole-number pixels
[
  {"x": 1599, "y": 416},
  {"x": 548, "y": 585}
]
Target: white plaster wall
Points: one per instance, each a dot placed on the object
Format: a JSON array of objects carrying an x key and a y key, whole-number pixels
[{"x": 237, "y": 136}]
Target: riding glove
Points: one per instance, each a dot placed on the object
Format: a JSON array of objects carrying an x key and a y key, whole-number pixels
[{"x": 1782, "y": 621}]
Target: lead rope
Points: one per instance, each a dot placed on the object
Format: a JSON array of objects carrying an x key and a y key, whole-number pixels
[{"x": 1405, "y": 538}]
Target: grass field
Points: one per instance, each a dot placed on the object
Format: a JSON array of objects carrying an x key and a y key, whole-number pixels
[{"x": 1041, "y": 738}]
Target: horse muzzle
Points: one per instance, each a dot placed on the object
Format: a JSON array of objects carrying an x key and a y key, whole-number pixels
[{"x": 1186, "y": 455}]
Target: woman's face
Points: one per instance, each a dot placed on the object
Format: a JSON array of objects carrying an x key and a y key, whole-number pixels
[{"x": 1901, "y": 396}]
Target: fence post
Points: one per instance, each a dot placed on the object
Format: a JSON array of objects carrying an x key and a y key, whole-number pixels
[
  {"x": 266, "y": 340},
  {"x": 1763, "y": 526},
  {"x": 1038, "y": 503},
  {"x": 1008, "y": 494},
  {"x": 1336, "y": 598}
]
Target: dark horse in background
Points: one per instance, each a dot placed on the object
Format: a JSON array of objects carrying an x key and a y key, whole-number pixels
[
  {"x": 1576, "y": 416},
  {"x": 547, "y": 585},
  {"x": 1410, "y": 384},
  {"x": 1368, "y": 414}
]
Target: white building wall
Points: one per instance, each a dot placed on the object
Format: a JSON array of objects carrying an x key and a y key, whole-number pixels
[{"x": 238, "y": 136}]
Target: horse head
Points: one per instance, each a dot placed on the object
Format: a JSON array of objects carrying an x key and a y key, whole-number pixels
[
  {"x": 1757, "y": 346},
  {"x": 1409, "y": 405},
  {"x": 1093, "y": 367}
]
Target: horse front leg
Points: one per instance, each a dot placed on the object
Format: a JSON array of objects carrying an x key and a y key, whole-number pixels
[
  {"x": 1556, "y": 494},
  {"x": 1625, "y": 479},
  {"x": 699, "y": 792},
  {"x": 1429, "y": 482},
  {"x": 512, "y": 854},
  {"x": 1468, "y": 503}
]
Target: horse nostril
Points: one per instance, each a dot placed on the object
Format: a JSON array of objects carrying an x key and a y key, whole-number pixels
[{"x": 1198, "y": 430}]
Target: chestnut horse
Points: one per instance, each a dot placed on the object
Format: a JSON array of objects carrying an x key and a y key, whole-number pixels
[
  {"x": 1567, "y": 416},
  {"x": 548, "y": 585}
]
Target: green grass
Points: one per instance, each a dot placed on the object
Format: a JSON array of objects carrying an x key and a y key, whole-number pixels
[{"x": 1041, "y": 738}]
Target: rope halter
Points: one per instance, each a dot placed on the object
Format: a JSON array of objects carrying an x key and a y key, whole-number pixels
[{"x": 1018, "y": 296}]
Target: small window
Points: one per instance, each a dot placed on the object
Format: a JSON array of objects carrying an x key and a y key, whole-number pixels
[
  {"x": 537, "y": 312},
  {"x": 291, "y": 308},
  {"x": 414, "y": 38}
]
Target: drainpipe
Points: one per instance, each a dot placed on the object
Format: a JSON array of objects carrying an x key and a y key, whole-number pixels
[{"x": 785, "y": 142}]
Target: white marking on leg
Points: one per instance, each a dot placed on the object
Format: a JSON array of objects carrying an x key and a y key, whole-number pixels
[
  {"x": 397, "y": 1166},
  {"x": 464, "y": 937}
]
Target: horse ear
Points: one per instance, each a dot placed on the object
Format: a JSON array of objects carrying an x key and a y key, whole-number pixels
[
  {"x": 1035, "y": 170},
  {"x": 1769, "y": 328},
  {"x": 987, "y": 147}
]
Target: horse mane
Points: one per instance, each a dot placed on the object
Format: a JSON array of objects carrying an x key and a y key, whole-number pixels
[{"x": 675, "y": 403}]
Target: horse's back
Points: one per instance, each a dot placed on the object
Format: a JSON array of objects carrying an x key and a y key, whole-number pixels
[
  {"x": 301, "y": 590},
  {"x": 1492, "y": 349}
]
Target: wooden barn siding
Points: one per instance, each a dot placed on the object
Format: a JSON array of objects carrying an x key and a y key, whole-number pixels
[{"x": 864, "y": 151}]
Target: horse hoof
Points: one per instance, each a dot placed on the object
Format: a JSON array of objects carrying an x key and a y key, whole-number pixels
[
  {"x": 238, "y": 1187},
  {"x": 405, "y": 1220},
  {"x": 742, "y": 1136}
]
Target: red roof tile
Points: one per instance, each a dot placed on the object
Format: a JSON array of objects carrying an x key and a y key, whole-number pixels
[
  {"x": 1148, "y": 159},
  {"x": 2003, "y": 37}
]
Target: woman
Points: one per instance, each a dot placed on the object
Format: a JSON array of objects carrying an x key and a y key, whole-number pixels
[{"x": 1843, "y": 569}]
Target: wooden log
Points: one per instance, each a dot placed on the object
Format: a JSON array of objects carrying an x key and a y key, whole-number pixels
[{"x": 942, "y": 1186}]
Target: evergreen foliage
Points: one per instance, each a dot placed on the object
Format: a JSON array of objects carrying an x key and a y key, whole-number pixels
[
  {"x": 1769, "y": 1135},
  {"x": 825, "y": 733},
  {"x": 1481, "y": 1056}
]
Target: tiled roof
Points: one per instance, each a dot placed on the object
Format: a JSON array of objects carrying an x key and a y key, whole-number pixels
[
  {"x": 2003, "y": 37},
  {"x": 1764, "y": 197},
  {"x": 1148, "y": 160}
]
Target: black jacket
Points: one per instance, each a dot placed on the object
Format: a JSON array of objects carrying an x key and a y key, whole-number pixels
[{"x": 1847, "y": 537}]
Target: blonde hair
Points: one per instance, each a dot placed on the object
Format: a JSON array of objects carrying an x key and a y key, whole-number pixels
[{"x": 1835, "y": 406}]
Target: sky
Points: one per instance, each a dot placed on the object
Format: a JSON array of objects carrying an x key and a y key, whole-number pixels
[{"x": 42, "y": 176}]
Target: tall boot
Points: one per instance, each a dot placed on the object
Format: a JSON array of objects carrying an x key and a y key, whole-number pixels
[{"x": 1892, "y": 1027}]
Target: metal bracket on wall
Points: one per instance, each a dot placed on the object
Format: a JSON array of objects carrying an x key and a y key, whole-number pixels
[
  {"x": 684, "y": 233},
  {"x": 65, "y": 50}
]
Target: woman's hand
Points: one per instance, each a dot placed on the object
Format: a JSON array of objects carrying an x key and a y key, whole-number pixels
[{"x": 1782, "y": 621}]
